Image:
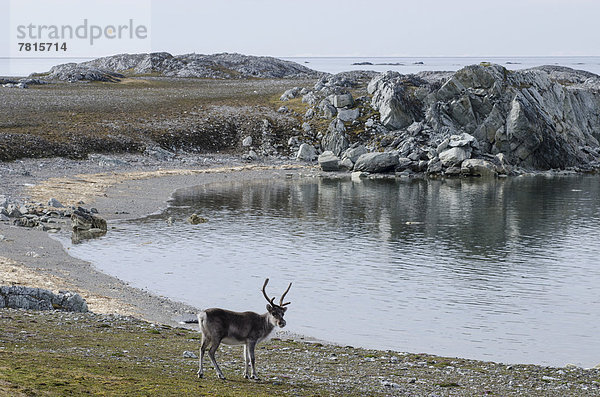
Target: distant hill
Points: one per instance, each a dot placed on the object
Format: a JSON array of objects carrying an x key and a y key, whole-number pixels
[{"x": 218, "y": 66}]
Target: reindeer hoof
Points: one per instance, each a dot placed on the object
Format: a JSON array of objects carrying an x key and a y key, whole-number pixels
[{"x": 200, "y": 375}]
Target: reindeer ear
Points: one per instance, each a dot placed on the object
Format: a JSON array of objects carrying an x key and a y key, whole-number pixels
[
  {"x": 269, "y": 308},
  {"x": 284, "y": 308}
]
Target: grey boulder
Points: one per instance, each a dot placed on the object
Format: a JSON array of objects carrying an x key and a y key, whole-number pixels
[
  {"x": 478, "y": 167},
  {"x": 329, "y": 161},
  {"x": 376, "y": 162},
  {"x": 20, "y": 297},
  {"x": 306, "y": 152}
]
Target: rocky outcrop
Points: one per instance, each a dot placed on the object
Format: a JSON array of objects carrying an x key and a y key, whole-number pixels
[
  {"x": 539, "y": 119},
  {"x": 73, "y": 72},
  {"x": 21, "y": 83},
  {"x": 222, "y": 66},
  {"x": 19, "y": 297}
]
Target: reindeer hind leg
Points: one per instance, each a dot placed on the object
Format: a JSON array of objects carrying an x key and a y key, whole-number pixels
[{"x": 211, "y": 354}]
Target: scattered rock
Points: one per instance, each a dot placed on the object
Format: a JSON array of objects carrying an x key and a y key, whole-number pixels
[
  {"x": 346, "y": 164},
  {"x": 290, "y": 94},
  {"x": 19, "y": 297},
  {"x": 252, "y": 156},
  {"x": 247, "y": 141},
  {"x": 310, "y": 113},
  {"x": 329, "y": 161},
  {"x": 335, "y": 142},
  {"x": 189, "y": 354},
  {"x": 348, "y": 115},
  {"x": 454, "y": 156},
  {"x": 55, "y": 203},
  {"x": 376, "y": 162},
  {"x": 82, "y": 220},
  {"x": 159, "y": 153},
  {"x": 478, "y": 167},
  {"x": 354, "y": 153},
  {"x": 306, "y": 152},
  {"x": 342, "y": 100},
  {"x": 195, "y": 219}
]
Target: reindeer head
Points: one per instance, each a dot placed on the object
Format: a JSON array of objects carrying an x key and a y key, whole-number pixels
[{"x": 276, "y": 311}]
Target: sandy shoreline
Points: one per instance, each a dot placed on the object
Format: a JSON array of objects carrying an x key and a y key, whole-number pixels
[{"x": 33, "y": 258}]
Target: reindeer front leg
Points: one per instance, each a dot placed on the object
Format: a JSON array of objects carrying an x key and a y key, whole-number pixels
[
  {"x": 246, "y": 361},
  {"x": 251, "y": 345}
]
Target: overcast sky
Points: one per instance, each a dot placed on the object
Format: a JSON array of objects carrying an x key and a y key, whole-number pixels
[
  {"x": 379, "y": 27},
  {"x": 339, "y": 28}
]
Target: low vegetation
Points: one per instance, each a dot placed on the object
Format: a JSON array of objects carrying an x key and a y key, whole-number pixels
[{"x": 58, "y": 354}]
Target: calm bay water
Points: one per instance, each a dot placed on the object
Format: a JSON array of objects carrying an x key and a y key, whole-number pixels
[
  {"x": 405, "y": 65},
  {"x": 506, "y": 270}
]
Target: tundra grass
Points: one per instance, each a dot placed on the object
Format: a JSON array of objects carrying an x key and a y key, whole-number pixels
[{"x": 60, "y": 354}]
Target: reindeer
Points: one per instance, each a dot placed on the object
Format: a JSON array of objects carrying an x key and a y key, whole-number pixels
[{"x": 235, "y": 328}]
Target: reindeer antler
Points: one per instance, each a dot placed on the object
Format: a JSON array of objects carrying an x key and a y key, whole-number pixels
[
  {"x": 271, "y": 301},
  {"x": 283, "y": 296},
  {"x": 265, "y": 293}
]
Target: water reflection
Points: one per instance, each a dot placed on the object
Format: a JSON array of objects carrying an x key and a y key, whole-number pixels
[{"x": 503, "y": 270}]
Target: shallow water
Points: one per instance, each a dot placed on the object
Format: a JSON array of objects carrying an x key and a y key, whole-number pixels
[{"x": 506, "y": 270}]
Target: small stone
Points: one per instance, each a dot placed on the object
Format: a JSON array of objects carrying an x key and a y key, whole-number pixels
[
  {"x": 189, "y": 354},
  {"x": 247, "y": 141},
  {"x": 194, "y": 219},
  {"x": 346, "y": 164},
  {"x": 55, "y": 203},
  {"x": 390, "y": 385},
  {"x": 252, "y": 156},
  {"x": 310, "y": 113}
]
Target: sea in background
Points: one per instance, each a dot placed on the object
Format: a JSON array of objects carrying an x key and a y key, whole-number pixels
[{"x": 404, "y": 65}]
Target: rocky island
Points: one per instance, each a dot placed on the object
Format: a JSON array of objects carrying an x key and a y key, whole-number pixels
[{"x": 95, "y": 134}]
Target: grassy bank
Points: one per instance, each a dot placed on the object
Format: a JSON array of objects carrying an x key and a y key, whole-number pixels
[
  {"x": 58, "y": 354},
  {"x": 73, "y": 120}
]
